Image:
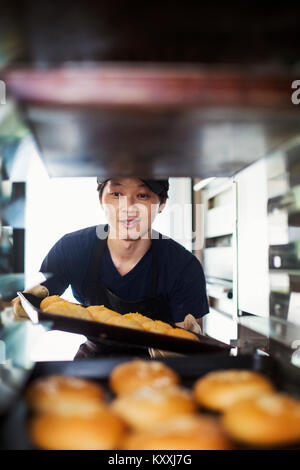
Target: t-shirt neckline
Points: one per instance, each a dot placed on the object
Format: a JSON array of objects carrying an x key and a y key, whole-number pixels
[{"x": 134, "y": 271}]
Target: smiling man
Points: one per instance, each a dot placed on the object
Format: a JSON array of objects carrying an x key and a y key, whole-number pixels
[{"x": 126, "y": 265}]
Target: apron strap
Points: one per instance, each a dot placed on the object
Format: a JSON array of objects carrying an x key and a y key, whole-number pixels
[
  {"x": 154, "y": 266},
  {"x": 95, "y": 266},
  {"x": 98, "y": 253}
]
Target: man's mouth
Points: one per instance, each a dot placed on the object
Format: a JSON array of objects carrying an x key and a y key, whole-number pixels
[{"x": 130, "y": 222}]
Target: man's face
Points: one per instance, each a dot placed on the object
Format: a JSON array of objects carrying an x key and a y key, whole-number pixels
[{"x": 130, "y": 207}]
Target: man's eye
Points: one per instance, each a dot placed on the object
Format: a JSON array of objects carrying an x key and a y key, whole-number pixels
[
  {"x": 143, "y": 196},
  {"x": 115, "y": 193}
]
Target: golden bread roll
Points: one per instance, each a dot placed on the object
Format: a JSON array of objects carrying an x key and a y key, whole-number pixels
[
  {"x": 155, "y": 327},
  {"x": 50, "y": 300},
  {"x": 101, "y": 313},
  {"x": 64, "y": 395},
  {"x": 130, "y": 376},
  {"x": 271, "y": 419},
  {"x": 163, "y": 324},
  {"x": 124, "y": 322},
  {"x": 191, "y": 432},
  {"x": 181, "y": 333},
  {"x": 137, "y": 317},
  {"x": 100, "y": 431},
  {"x": 69, "y": 310},
  {"x": 221, "y": 389},
  {"x": 149, "y": 405}
]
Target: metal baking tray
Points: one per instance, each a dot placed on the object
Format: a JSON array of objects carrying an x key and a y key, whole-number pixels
[
  {"x": 13, "y": 428},
  {"x": 127, "y": 336}
]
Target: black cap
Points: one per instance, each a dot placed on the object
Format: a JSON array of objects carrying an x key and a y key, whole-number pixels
[{"x": 159, "y": 187}]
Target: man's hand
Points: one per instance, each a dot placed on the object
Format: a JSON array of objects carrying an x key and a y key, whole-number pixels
[
  {"x": 19, "y": 312},
  {"x": 190, "y": 323}
]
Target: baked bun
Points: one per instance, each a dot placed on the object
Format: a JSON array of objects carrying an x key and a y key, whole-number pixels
[
  {"x": 191, "y": 432},
  {"x": 181, "y": 333},
  {"x": 124, "y": 322},
  {"x": 219, "y": 390},
  {"x": 100, "y": 431},
  {"x": 50, "y": 300},
  {"x": 163, "y": 324},
  {"x": 155, "y": 327},
  {"x": 149, "y": 405},
  {"x": 137, "y": 317},
  {"x": 102, "y": 314},
  {"x": 130, "y": 376},
  {"x": 69, "y": 310},
  {"x": 271, "y": 419},
  {"x": 64, "y": 395}
]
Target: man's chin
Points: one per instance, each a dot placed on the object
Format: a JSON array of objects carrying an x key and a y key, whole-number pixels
[{"x": 132, "y": 235}]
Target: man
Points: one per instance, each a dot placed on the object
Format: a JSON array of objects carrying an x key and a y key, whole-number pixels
[{"x": 126, "y": 265}]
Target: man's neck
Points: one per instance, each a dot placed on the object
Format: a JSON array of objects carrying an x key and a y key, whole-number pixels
[{"x": 128, "y": 250}]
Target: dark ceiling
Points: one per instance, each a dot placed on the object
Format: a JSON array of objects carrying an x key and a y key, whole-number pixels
[{"x": 227, "y": 103}]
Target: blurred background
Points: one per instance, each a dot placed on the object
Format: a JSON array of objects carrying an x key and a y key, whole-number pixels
[{"x": 192, "y": 91}]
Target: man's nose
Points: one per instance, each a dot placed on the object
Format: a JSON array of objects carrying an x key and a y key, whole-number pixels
[{"x": 128, "y": 203}]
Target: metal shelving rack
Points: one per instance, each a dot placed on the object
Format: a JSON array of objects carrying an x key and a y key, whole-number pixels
[
  {"x": 282, "y": 327},
  {"x": 219, "y": 257}
]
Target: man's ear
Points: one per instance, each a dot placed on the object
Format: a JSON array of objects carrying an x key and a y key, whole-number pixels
[{"x": 162, "y": 206}]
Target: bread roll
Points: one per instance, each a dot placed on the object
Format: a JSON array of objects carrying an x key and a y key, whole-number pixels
[
  {"x": 100, "y": 431},
  {"x": 271, "y": 419},
  {"x": 149, "y": 405},
  {"x": 155, "y": 327},
  {"x": 181, "y": 333},
  {"x": 64, "y": 395},
  {"x": 124, "y": 322},
  {"x": 130, "y": 376},
  {"x": 50, "y": 300},
  {"x": 192, "y": 432},
  {"x": 219, "y": 390},
  {"x": 102, "y": 314},
  {"x": 69, "y": 310},
  {"x": 163, "y": 324},
  {"x": 137, "y": 317}
]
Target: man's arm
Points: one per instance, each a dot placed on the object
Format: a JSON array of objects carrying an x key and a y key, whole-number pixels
[
  {"x": 56, "y": 264},
  {"x": 188, "y": 297}
]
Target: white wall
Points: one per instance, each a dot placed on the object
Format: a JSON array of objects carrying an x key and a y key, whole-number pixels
[
  {"x": 176, "y": 219},
  {"x": 253, "y": 243}
]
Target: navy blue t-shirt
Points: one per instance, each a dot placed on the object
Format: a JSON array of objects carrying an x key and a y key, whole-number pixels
[{"x": 180, "y": 281}]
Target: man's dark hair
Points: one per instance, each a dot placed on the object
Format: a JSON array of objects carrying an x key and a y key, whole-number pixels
[{"x": 159, "y": 187}]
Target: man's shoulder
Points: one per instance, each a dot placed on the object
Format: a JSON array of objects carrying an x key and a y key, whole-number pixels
[
  {"x": 175, "y": 252},
  {"x": 81, "y": 233},
  {"x": 171, "y": 244},
  {"x": 82, "y": 238}
]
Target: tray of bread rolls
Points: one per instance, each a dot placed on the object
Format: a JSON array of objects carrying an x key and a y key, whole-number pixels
[
  {"x": 133, "y": 329},
  {"x": 208, "y": 402}
]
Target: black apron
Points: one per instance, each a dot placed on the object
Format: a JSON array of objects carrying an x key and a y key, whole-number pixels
[{"x": 154, "y": 307}]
